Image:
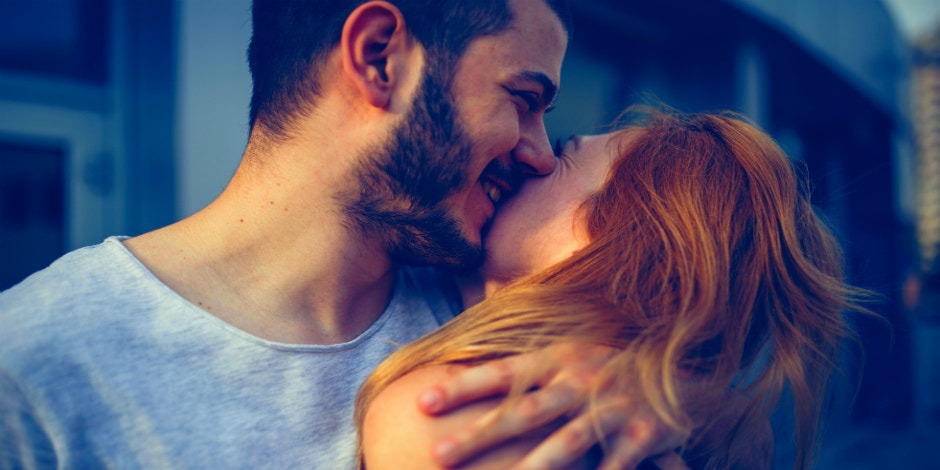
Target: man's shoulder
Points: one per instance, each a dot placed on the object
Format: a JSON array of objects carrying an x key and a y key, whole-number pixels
[
  {"x": 85, "y": 271},
  {"x": 77, "y": 293}
]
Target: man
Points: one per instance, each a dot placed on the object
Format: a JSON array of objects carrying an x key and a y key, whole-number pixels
[{"x": 382, "y": 135}]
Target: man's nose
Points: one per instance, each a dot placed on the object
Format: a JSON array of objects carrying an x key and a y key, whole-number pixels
[{"x": 534, "y": 152}]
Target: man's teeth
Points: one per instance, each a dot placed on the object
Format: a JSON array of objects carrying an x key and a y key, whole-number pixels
[{"x": 492, "y": 191}]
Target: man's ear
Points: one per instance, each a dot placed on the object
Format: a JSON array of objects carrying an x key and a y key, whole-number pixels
[{"x": 375, "y": 47}]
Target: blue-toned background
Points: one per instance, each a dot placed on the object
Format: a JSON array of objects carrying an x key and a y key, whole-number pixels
[{"x": 119, "y": 116}]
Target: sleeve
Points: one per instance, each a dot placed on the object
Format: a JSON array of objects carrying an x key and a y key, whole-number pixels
[{"x": 24, "y": 444}]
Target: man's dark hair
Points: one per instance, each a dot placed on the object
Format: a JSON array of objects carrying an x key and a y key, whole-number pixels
[{"x": 291, "y": 39}]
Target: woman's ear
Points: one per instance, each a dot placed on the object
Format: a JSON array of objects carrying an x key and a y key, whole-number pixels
[{"x": 375, "y": 46}]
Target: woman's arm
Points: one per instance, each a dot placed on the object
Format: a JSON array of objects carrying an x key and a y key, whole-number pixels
[{"x": 395, "y": 433}]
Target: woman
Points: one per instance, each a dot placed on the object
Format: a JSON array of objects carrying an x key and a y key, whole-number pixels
[{"x": 686, "y": 242}]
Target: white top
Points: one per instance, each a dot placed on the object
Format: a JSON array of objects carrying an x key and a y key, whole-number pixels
[{"x": 102, "y": 365}]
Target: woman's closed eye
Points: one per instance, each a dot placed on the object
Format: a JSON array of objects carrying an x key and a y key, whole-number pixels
[{"x": 559, "y": 147}]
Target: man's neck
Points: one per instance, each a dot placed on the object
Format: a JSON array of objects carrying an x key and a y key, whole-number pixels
[{"x": 275, "y": 258}]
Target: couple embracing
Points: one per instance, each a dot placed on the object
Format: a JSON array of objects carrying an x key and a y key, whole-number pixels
[{"x": 635, "y": 298}]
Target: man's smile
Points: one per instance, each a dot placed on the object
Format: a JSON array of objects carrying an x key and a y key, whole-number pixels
[{"x": 499, "y": 181}]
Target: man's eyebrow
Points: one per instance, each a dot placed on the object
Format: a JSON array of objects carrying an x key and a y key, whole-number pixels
[{"x": 549, "y": 88}]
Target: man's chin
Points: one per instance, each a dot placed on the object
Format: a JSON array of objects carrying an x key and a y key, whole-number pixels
[
  {"x": 470, "y": 261},
  {"x": 451, "y": 253},
  {"x": 464, "y": 259}
]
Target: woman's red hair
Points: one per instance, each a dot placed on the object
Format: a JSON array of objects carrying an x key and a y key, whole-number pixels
[{"x": 707, "y": 267}]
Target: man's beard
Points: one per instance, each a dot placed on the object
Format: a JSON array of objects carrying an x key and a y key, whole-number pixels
[{"x": 403, "y": 188}]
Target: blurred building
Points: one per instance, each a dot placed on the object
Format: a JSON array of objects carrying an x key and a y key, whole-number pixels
[
  {"x": 118, "y": 116},
  {"x": 86, "y": 125},
  {"x": 925, "y": 301},
  {"x": 926, "y": 110}
]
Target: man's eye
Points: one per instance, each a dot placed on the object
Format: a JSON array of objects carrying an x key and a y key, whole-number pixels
[
  {"x": 559, "y": 147},
  {"x": 529, "y": 99}
]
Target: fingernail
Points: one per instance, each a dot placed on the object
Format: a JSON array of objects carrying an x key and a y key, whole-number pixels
[
  {"x": 444, "y": 451},
  {"x": 430, "y": 400}
]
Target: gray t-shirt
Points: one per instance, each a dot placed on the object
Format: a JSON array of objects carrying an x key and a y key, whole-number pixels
[{"x": 102, "y": 365}]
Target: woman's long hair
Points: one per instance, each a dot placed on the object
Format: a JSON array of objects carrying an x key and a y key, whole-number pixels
[{"x": 707, "y": 267}]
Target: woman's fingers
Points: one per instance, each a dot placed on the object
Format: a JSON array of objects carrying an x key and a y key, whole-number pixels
[
  {"x": 469, "y": 384},
  {"x": 528, "y": 413},
  {"x": 639, "y": 437},
  {"x": 570, "y": 362},
  {"x": 670, "y": 461},
  {"x": 573, "y": 440},
  {"x": 633, "y": 432},
  {"x": 557, "y": 377}
]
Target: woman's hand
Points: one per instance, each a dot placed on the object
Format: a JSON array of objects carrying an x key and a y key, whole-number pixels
[{"x": 563, "y": 375}]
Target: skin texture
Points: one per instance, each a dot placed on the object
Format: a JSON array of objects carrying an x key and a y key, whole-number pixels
[
  {"x": 503, "y": 85},
  {"x": 398, "y": 432},
  {"x": 539, "y": 227}
]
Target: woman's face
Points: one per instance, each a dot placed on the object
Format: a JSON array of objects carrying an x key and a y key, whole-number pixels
[{"x": 537, "y": 227}]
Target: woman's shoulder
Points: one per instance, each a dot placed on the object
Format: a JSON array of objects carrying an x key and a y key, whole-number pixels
[{"x": 394, "y": 430}]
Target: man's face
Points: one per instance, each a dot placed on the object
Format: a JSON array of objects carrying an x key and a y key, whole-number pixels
[
  {"x": 447, "y": 166},
  {"x": 502, "y": 87}
]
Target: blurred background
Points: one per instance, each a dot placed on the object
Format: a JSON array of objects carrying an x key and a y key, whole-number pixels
[{"x": 120, "y": 116}]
